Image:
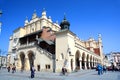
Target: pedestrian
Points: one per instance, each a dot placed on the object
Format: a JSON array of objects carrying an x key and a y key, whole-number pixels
[
  {"x": 104, "y": 69},
  {"x": 13, "y": 69},
  {"x": 113, "y": 67},
  {"x": 66, "y": 71},
  {"x": 101, "y": 71},
  {"x": 63, "y": 70},
  {"x": 8, "y": 68},
  {"x": 32, "y": 72},
  {"x": 99, "y": 68}
]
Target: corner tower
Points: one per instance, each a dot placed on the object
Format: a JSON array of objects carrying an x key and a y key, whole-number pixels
[{"x": 64, "y": 24}]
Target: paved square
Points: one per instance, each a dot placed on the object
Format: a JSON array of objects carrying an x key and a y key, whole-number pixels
[{"x": 80, "y": 75}]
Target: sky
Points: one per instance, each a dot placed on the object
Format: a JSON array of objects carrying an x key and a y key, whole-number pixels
[{"x": 87, "y": 18}]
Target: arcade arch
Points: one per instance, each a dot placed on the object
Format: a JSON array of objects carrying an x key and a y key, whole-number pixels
[
  {"x": 83, "y": 61},
  {"x": 77, "y": 57},
  {"x": 31, "y": 58},
  {"x": 22, "y": 59},
  {"x": 87, "y": 61}
]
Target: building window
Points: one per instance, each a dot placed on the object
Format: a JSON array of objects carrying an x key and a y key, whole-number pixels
[{"x": 47, "y": 66}]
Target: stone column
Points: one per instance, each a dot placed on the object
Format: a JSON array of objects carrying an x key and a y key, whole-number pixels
[
  {"x": 18, "y": 64},
  {"x": 89, "y": 65},
  {"x": 27, "y": 64},
  {"x": 80, "y": 62}
]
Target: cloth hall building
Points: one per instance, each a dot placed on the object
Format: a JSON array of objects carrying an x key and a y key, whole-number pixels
[{"x": 50, "y": 47}]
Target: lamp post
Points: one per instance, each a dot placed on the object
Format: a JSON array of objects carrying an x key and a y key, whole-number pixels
[
  {"x": 0, "y": 59},
  {"x": 0, "y": 22}
]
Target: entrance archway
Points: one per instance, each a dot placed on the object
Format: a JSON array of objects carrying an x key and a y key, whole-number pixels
[
  {"x": 77, "y": 62},
  {"x": 22, "y": 58},
  {"x": 31, "y": 58},
  {"x": 83, "y": 61},
  {"x": 71, "y": 62},
  {"x": 87, "y": 62}
]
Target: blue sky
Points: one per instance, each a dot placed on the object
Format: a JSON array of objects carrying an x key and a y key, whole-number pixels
[{"x": 87, "y": 18}]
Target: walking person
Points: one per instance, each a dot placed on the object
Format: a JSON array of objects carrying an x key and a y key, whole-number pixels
[
  {"x": 113, "y": 67},
  {"x": 99, "y": 68},
  {"x": 13, "y": 69},
  {"x": 104, "y": 69},
  {"x": 101, "y": 71},
  {"x": 63, "y": 70},
  {"x": 8, "y": 68},
  {"x": 32, "y": 72}
]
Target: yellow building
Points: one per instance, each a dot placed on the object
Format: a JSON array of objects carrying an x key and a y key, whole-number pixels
[{"x": 50, "y": 46}]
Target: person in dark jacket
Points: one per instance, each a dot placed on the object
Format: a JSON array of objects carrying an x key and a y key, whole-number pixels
[
  {"x": 104, "y": 69},
  {"x": 63, "y": 71},
  {"x": 8, "y": 68},
  {"x": 32, "y": 72},
  {"x": 99, "y": 68}
]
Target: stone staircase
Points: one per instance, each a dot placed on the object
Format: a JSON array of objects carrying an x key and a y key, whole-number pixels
[{"x": 48, "y": 54}]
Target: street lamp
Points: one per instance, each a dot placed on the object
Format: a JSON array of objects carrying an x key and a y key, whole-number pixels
[
  {"x": 0, "y": 22},
  {"x": 1, "y": 59}
]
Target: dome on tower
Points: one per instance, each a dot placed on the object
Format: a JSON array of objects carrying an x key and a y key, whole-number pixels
[{"x": 64, "y": 24}]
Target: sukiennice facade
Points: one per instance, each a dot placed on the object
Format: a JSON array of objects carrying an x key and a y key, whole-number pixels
[{"x": 50, "y": 46}]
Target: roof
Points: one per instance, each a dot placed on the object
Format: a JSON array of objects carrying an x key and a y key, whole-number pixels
[{"x": 32, "y": 33}]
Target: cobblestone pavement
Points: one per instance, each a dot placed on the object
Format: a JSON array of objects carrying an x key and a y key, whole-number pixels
[{"x": 80, "y": 75}]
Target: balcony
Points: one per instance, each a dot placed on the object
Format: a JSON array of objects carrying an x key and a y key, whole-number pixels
[{"x": 31, "y": 44}]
